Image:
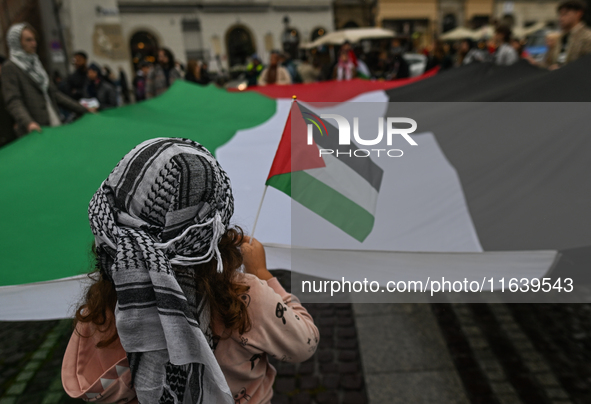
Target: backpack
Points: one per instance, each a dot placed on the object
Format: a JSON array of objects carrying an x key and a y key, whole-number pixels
[{"x": 98, "y": 375}]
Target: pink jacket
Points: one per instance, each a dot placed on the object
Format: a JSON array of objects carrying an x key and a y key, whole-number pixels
[{"x": 281, "y": 328}]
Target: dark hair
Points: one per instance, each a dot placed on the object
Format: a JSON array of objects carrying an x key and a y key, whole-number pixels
[
  {"x": 575, "y": 5},
  {"x": 30, "y": 28},
  {"x": 170, "y": 57},
  {"x": 505, "y": 31},
  {"x": 2, "y": 59},
  {"x": 470, "y": 42},
  {"x": 82, "y": 54},
  {"x": 95, "y": 67},
  {"x": 223, "y": 292}
]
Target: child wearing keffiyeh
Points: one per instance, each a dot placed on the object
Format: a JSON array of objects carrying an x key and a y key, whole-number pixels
[{"x": 195, "y": 328}]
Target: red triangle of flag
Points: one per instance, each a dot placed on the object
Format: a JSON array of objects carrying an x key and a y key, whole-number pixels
[{"x": 293, "y": 153}]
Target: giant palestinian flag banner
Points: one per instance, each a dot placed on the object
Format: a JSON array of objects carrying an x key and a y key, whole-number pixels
[{"x": 477, "y": 196}]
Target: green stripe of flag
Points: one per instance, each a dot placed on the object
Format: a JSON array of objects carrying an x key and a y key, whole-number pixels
[
  {"x": 47, "y": 179},
  {"x": 325, "y": 202}
]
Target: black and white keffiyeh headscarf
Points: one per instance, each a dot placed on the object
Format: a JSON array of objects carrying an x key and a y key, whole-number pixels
[
  {"x": 168, "y": 201},
  {"x": 28, "y": 62}
]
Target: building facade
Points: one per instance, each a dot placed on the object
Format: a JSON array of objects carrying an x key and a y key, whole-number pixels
[
  {"x": 120, "y": 33},
  {"x": 354, "y": 13},
  {"x": 423, "y": 20}
]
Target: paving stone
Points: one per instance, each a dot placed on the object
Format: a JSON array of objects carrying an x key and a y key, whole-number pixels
[
  {"x": 286, "y": 369},
  {"x": 14, "y": 358},
  {"x": 348, "y": 355},
  {"x": 547, "y": 379},
  {"x": 326, "y": 368},
  {"x": 280, "y": 399},
  {"x": 415, "y": 387},
  {"x": 401, "y": 342},
  {"x": 309, "y": 382},
  {"x": 306, "y": 368},
  {"x": 285, "y": 385},
  {"x": 348, "y": 368},
  {"x": 326, "y": 397},
  {"x": 301, "y": 398},
  {"x": 352, "y": 382},
  {"x": 331, "y": 382},
  {"x": 327, "y": 312},
  {"x": 345, "y": 321},
  {"x": 325, "y": 321},
  {"x": 556, "y": 393},
  {"x": 16, "y": 389},
  {"x": 502, "y": 388},
  {"x": 354, "y": 398},
  {"x": 509, "y": 399},
  {"x": 326, "y": 332},
  {"x": 325, "y": 355},
  {"x": 347, "y": 344},
  {"x": 347, "y": 332}
]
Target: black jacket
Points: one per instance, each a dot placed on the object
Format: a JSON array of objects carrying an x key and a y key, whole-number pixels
[
  {"x": 7, "y": 133},
  {"x": 104, "y": 92}
]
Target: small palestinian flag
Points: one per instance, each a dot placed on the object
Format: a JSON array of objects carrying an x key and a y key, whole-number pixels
[{"x": 343, "y": 190}]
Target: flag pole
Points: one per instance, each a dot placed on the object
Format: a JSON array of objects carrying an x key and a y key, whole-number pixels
[
  {"x": 257, "y": 216},
  {"x": 256, "y": 219}
]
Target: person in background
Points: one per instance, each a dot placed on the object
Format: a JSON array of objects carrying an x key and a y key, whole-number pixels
[
  {"x": 274, "y": 73},
  {"x": 204, "y": 78},
  {"x": 57, "y": 79},
  {"x": 439, "y": 57},
  {"x": 7, "y": 133},
  {"x": 162, "y": 75},
  {"x": 124, "y": 85},
  {"x": 552, "y": 40},
  {"x": 74, "y": 86},
  {"x": 197, "y": 73},
  {"x": 254, "y": 69},
  {"x": 180, "y": 68},
  {"x": 192, "y": 67},
  {"x": 139, "y": 82},
  {"x": 519, "y": 47},
  {"x": 98, "y": 87},
  {"x": 399, "y": 66},
  {"x": 575, "y": 40},
  {"x": 107, "y": 74},
  {"x": 470, "y": 53},
  {"x": 286, "y": 61},
  {"x": 505, "y": 54},
  {"x": 345, "y": 68},
  {"x": 30, "y": 97},
  {"x": 307, "y": 71}
]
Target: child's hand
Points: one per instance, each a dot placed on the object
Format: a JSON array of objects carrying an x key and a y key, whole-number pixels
[{"x": 254, "y": 259}]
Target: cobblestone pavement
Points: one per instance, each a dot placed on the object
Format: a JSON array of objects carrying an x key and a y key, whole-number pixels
[{"x": 503, "y": 354}]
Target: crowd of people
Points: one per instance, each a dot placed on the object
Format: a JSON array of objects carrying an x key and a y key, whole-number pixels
[{"x": 30, "y": 99}]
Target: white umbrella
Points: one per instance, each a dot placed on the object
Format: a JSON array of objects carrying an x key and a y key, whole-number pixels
[
  {"x": 459, "y": 33},
  {"x": 486, "y": 32},
  {"x": 351, "y": 35},
  {"x": 523, "y": 32}
]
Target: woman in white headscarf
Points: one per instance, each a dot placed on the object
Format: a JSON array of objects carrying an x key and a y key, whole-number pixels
[{"x": 30, "y": 97}]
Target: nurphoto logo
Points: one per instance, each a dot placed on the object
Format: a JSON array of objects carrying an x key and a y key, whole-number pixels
[{"x": 344, "y": 138}]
